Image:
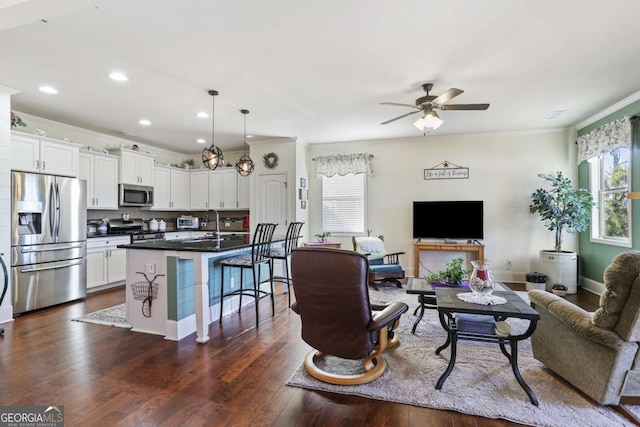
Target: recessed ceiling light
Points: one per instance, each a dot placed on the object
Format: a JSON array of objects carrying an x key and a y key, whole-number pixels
[
  {"x": 202, "y": 114},
  {"x": 144, "y": 122},
  {"x": 249, "y": 136},
  {"x": 201, "y": 140},
  {"x": 118, "y": 76},
  {"x": 48, "y": 89}
]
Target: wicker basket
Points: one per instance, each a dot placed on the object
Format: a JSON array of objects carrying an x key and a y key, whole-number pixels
[{"x": 142, "y": 290}]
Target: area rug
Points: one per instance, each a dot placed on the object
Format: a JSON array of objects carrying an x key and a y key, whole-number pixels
[
  {"x": 481, "y": 383},
  {"x": 113, "y": 316}
]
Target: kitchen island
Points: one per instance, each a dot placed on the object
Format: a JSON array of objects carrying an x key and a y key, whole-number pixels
[{"x": 186, "y": 292}]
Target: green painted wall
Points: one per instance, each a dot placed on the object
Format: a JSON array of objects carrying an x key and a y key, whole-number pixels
[{"x": 595, "y": 257}]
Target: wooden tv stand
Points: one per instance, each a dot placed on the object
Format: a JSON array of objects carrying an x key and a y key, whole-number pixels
[{"x": 478, "y": 250}]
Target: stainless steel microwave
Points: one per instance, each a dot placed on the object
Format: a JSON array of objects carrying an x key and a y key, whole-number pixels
[{"x": 136, "y": 195}]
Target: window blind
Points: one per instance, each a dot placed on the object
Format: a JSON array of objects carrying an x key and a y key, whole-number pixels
[{"x": 343, "y": 203}]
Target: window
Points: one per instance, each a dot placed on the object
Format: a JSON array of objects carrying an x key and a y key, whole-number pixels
[
  {"x": 610, "y": 176},
  {"x": 343, "y": 203}
]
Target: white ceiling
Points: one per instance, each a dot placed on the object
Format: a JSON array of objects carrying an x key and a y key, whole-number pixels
[{"x": 315, "y": 70}]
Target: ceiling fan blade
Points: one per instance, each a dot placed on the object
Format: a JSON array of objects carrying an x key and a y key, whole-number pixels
[
  {"x": 399, "y": 117},
  {"x": 447, "y": 96},
  {"x": 464, "y": 107},
  {"x": 396, "y": 104}
]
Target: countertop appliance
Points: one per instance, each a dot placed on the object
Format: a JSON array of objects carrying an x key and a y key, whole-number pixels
[
  {"x": 133, "y": 228},
  {"x": 187, "y": 223},
  {"x": 48, "y": 240},
  {"x": 136, "y": 195}
]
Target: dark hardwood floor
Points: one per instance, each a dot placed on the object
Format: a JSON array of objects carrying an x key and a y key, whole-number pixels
[{"x": 110, "y": 376}]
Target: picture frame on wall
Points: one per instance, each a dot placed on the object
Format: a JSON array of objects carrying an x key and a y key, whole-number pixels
[
  {"x": 303, "y": 183},
  {"x": 303, "y": 193},
  {"x": 303, "y": 204}
]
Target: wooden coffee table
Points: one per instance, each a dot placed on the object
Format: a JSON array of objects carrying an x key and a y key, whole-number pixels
[{"x": 448, "y": 304}]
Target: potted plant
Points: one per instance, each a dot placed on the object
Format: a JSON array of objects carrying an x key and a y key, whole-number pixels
[
  {"x": 452, "y": 275},
  {"x": 561, "y": 208},
  {"x": 322, "y": 237}
]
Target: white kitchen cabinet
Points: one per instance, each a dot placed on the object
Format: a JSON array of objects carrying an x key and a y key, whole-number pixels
[
  {"x": 31, "y": 153},
  {"x": 218, "y": 189},
  {"x": 243, "y": 192},
  {"x": 105, "y": 262},
  {"x": 101, "y": 172},
  {"x": 136, "y": 168},
  {"x": 199, "y": 190},
  {"x": 171, "y": 188}
]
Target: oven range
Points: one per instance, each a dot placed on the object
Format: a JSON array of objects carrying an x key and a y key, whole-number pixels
[{"x": 134, "y": 229}]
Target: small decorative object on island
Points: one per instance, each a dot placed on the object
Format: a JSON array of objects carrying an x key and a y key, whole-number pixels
[
  {"x": 188, "y": 163},
  {"x": 481, "y": 280},
  {"x": 561, "y": 208},
  {"x": 453, "y": 275},
  {"x": 322, "y": 237},
  {"x": 16, "y": 120}
]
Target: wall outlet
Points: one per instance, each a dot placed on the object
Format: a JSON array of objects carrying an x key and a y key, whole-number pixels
[
  {"x": 150, "y": 268},
  {"x": 508, "y": 264}
]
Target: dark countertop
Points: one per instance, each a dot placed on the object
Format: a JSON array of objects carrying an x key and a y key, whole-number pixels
[{"x": 227, "y": 243}]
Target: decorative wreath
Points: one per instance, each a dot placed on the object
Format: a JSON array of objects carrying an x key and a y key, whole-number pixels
[{"x": 270, "y": 160}]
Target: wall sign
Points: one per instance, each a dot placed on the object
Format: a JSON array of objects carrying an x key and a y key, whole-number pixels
[{"x": 444, "y": 170}]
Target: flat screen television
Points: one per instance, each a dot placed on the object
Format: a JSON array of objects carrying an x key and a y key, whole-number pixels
[{"x": 448, "y": 220}]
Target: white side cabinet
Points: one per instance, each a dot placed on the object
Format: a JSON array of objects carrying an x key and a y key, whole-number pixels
[
  {"x": 31, "y": 153},
  {"x": 136, "y": 168},
  {"x": 171, "y": 188},
  {"x": 105, "y": 262},
  {"x": 101, "y": 172}
]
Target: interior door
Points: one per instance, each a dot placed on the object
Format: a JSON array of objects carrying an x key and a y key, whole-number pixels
[{"x": 273, "y": 201}]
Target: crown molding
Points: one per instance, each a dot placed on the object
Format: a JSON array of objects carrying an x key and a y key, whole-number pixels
[{"x": 610, "y": 110}]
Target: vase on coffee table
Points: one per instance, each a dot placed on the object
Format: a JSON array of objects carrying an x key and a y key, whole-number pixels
[{"x": 481, "y": 280}]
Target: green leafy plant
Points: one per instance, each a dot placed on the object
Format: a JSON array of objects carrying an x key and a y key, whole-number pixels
[
  {"x": 562, "y": 208},
  {"x": 453, "y": 274},
  {"x": 16, "y": 120},
  {"x": 322, "y": 237}
]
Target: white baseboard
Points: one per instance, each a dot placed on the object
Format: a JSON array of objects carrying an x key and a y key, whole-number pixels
[
  {"x": 592, "y": 286},
  {"x": 6, "y": 314}
]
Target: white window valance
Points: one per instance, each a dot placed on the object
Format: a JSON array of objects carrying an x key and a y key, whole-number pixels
[
  {"x": 344, "y": 164},
  {"x": 605, "y": 139}
]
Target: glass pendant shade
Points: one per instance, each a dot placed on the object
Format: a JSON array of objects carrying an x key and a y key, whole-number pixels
[
  {"x": 212, "y": 156},
  {"x": 430, "y": 120},
  {"x": 245, "y": 164}
]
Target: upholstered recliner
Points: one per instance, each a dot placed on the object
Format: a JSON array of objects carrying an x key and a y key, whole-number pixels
[
  {"x": 595, "y": 352},
  {"x": 332, "y": 299},
  {"x": 384, "y": 268}
]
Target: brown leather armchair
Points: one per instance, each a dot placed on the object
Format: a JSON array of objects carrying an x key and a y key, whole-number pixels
[{"x": 332, "y": 299}]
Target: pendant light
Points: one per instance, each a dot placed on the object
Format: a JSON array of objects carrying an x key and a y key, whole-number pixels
[
  {"x": 245, "y": 165},
  {"x": 212, "y": 157}
]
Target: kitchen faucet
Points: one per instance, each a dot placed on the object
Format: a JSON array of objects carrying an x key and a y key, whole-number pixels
[{"x": 206, "y": 219}]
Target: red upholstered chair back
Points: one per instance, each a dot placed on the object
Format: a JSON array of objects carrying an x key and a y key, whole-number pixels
[{"x": 333, "y": 300}]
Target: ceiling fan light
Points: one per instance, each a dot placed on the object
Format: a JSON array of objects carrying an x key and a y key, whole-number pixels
[
  {"x": 419, "y": 123},
  {"x": 432, "y": 120}
]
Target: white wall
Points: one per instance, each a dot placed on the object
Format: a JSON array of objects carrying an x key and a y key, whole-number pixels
[
  {"x": 503, "y": 170},
  {"x": 6, "y": 309}
]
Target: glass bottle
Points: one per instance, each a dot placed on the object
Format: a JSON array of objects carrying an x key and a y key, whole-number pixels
[{"x": 481, "y": 280}]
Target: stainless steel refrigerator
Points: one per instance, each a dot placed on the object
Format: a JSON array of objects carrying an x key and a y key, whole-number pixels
[{"x": 49, "y": 240}]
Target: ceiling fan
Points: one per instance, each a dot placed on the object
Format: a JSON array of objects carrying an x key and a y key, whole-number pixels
[{"x": 426, "y": 104}]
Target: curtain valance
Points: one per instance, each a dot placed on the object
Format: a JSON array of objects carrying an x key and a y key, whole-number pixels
[
  {"x": 605, "y": 138},
  {"x": 344, "y": 164}
]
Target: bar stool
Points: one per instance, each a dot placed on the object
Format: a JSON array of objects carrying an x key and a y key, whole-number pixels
[
  {"x": 291, "y": 242},
  {"x": 260, "y": 250}
]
